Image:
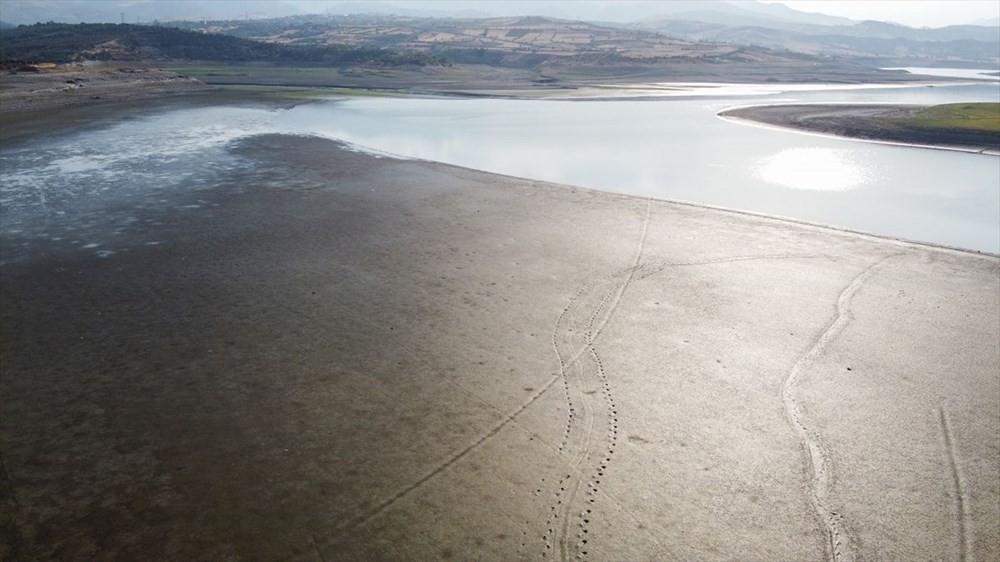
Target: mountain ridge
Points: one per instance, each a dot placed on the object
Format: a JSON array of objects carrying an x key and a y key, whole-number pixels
[{"x": 146, "y": 11}]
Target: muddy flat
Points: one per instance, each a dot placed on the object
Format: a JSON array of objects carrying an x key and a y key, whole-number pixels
[
  {"x": 350, "y": 358},
  {"x": 50, "y": 86}
]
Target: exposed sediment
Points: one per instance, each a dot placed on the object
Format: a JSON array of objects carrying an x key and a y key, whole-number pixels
[
  {"x": 57, "y": 86},
  {"x": 335, "y": 356}
]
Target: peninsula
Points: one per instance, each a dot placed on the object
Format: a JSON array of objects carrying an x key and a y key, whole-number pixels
[{"x": 965, "y": 126}]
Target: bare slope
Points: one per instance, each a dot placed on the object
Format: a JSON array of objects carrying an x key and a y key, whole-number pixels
[
  {"x": 560, "y": 50},
  {"x": 49, "y": 86}
]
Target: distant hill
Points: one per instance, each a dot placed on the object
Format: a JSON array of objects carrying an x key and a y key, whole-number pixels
[
  {"x": 892, "y": 43},
  {"x": 513, "y": 42},
  {"x": 68, "y": 43},
  {"x": 712, "y": 29},
  {"x": 146, "y": 11},
  {"x": 885, "y": 30},
  {"x": 781, "y": 12},
  {"x": 733, "y": 12},
  {"x": 777, "y": 16}
]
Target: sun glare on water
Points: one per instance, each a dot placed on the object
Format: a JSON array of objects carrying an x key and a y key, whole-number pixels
[{"x": 814, "y": 169}]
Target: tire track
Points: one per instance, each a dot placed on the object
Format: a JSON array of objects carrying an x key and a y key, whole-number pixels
[
  {"x": 962, "y": 508},
  {"x": 818, "y": 455}
]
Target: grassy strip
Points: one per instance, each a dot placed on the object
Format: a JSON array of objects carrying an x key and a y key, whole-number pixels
[
  {"x": 973, "y": 117},
  {"x": 304, "y": 93},
  {"x": 269, "y": 72}
]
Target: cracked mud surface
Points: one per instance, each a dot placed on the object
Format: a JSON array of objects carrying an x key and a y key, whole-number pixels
[{"x": 365, "y": 358}]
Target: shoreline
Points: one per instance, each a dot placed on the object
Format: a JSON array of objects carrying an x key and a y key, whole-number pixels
[
  {"x": 17, "y": 128},
  {"x": 853, "y": 121},
  {"x": 802, "y": 131},
  {"x": 74, "y": 85},
  {"x": 695, "y": 204}
]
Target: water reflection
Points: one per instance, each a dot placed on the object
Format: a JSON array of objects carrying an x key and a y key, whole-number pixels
[
  {"x": 814, "y": 169},
  {"x": 703, "y": 89},
  {"x": 679, "y": 150}
]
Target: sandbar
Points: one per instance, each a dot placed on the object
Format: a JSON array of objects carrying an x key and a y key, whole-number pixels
[{"x": 870, "y": 122}]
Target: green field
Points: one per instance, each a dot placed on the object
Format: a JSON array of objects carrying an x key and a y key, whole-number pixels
[
  {"x": 288, "y": 82},
  {"x": 249, "y": 71},
  {"x": 360, "y": 77},
  {"x": 265, "y": 92},
  {"x": 980, "y": 117}
]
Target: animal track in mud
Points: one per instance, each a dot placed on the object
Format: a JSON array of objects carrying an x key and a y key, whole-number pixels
[
  {"x": 582, "y": 373},
  {"x": 584, "y": 376},
  {"x": 582, "y": 370}
]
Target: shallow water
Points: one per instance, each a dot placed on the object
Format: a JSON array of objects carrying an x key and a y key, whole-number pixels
[
  {"x": 679, "y": 149},
  {"x": 87, "y": 187}
]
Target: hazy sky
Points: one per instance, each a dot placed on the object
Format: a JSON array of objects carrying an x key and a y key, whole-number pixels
[{"x": 915, "y": 13}]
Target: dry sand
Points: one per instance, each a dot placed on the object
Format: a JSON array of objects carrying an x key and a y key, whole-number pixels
[{"x": 422, "y": 362}]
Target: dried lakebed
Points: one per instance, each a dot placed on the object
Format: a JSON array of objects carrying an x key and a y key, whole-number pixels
[{"x": 310, "y": 353}]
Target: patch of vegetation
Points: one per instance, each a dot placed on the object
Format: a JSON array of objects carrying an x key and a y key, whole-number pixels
[
  {"x": 254, "y": 72},
  {"x": 310, "y": 93},
  {"x": 515, "y": 59},
  {"x": 982, "y": 117},
  {"x": 68, "y": 43}
]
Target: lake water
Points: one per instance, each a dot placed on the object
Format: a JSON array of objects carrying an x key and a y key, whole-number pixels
[
  {"x": 86, "y": 186},
  {"x": 678, "y": 149}
]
